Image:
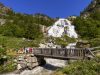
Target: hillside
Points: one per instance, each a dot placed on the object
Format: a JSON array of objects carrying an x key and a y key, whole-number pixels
[
  {"x": 33, "y": 27},
  {"x": 94, "y": 6},
  {"x": 88, "y": 23},
  {"x": 88, "y": 27},
  {"x": 18, "y": 25},
  {"x": 4, "y": 10},
  {"x": 19, "y": 32}
]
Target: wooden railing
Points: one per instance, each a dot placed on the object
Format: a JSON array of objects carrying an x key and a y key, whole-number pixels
[{"x": 62, "y": 53}]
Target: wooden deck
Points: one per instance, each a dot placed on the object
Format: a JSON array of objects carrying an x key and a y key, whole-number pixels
[{"x": 62, "y": 53}]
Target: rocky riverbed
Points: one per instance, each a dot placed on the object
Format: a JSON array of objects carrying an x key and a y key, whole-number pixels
[{"x": 50, "y": 66}]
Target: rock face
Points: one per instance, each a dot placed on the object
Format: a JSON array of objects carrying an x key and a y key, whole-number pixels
[
  {"x": 3, "y": 9},
  {"x": 2, "y": 21},
  {"x": 27, "y": 61},
  {"x": 62, "y": 26},
  {"x": 83, "y": 44},
  {"x": 47, "y": 69},
  {"x": 93, "y": 6},
  {"x": 49, "y": 45}
]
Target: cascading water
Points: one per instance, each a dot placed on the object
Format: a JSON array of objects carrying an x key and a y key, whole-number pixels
[{"x": 62, "y": 26}]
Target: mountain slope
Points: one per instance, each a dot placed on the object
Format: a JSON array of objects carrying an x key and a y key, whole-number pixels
[
  {"x": 94, "y": 6},
  {"x": 22, "y": 25},
  {"x": 88, "y": 23},
  {"x": 4, "y": 10}
]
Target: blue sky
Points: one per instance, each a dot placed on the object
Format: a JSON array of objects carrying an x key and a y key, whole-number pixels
[{"x": 53, "y": 8}]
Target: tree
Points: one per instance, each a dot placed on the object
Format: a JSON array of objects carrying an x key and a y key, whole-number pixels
[{"x": 86, "y": 28}]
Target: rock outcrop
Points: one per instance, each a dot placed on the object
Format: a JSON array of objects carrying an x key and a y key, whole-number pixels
[
  {"x": 93, "y": 7},
  {"x": 4, "y": 9}
]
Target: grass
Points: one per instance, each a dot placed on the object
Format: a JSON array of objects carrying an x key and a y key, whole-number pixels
[
  {"x": 10, "y": 42},
  {"x": 13, "y": 42},
  {"x": 85, "y": 67}
]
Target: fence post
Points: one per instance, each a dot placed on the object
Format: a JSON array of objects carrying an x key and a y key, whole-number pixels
[
  {"x": 51, "y": 51},
  {"x": 65, "y": 52},
  {"x": 84, "y": 52},
  {"x": 41, "y": 50}
]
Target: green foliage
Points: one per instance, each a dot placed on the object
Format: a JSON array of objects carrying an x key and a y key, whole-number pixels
[
  {"x": 6, "y": 63},
  {"x": 61, "y": 42},
  {"x": 43, "y": 19},
  {"x": 12, "y": 30},
  {"x": 32, "y": 31},
  {"x": 68, "y": 39},
  {"x": 24, "y": 25},
  {"x": 7, "y": 67},
  {"x": 85, "y": 67},
  {"x": 95, "y": 42},
  {"x": 92, "y": 7},
  {"x": 87, "y": 28},
  {"x": 95, "y": 15},
  {"x": 13, "y": 42},
  {"x": 64, "y": 41},
  {"x": 2, "y": 52}
]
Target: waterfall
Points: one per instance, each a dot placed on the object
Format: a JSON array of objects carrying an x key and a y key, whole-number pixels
[{"x": 62, "y": 26}]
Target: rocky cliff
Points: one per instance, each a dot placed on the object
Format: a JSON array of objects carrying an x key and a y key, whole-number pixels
[
  {"x": 92, "y": 7},
  {"x": 4, "y": 9}
]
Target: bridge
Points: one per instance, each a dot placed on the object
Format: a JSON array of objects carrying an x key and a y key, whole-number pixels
[
  {"x": 38, "y": 55},
  {"x": 63, "y": 53}
]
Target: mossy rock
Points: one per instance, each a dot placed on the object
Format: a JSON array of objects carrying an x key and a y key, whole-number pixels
[{"x": 83, "y": 44}]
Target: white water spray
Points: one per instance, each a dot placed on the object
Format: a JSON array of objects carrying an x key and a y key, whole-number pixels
[{"x": 62, "y": 26}]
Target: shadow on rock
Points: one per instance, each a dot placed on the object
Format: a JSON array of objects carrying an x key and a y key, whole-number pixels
[{"x": 50, "y": 67}]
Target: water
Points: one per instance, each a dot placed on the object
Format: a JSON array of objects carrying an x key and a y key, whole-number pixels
[
  {"x": 71, "y": 45},
  {"x": 62, "y": 26}
]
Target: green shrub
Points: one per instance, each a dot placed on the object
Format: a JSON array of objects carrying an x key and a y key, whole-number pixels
[
  {"x": 87, "y": 28},
  {"x": 7, "y": 68},
  {"x": 83, "y": 68},
  {"x": 95, "y": 42}
]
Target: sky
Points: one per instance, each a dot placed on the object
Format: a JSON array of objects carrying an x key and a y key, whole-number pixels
[{"x": 52, "y": 8}]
